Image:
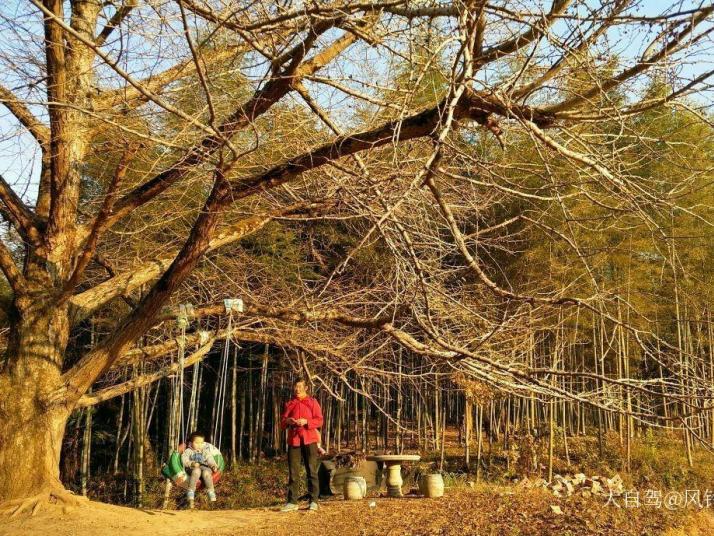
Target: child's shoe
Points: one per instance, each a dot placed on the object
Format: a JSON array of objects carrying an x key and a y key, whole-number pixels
[
  {"x": 212, "y": 496},
  {"x": 190, "y": 497}
]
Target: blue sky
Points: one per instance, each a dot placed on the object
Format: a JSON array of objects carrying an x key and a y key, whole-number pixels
[{"x": 19, "y": 157}]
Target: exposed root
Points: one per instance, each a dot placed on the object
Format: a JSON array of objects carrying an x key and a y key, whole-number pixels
[{"x": 52, "y": 495}]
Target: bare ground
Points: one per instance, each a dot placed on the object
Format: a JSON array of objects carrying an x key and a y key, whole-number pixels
[{"x": 485, "y": 511}]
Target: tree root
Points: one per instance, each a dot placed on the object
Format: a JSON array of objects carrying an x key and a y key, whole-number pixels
[{"x": 55, "y": 495}]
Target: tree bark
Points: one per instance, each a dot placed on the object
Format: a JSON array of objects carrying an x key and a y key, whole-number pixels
[
  {"x": 37, "y": 341},
  {"x": 37, "y": 435}
]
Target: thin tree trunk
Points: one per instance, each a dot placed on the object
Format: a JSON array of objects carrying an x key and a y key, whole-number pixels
[
  {"x": 251, "y": 416},
  {"x": 138, "y": 430},
  {"x": 234, "y": 405},
  {"x": 479, "y": 407},
  {"x": 86, "y": 450},
  {"x": 468, "y": 415},
  {"x": 551, "y": 408},
  {"x": 260, "y": 421},
  {"x": 241, "y": 431},
  {"x": 119, "y": 440},
  {"x": 710, "y": 344}
]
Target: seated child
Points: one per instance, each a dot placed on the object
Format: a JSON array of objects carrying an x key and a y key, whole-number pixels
[{"x": 199, "y": 463}]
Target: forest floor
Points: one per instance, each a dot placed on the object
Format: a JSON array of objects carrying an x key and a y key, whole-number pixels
[
  {"x": 250, "y": 495},
  {"x": 486, "y": 510}
]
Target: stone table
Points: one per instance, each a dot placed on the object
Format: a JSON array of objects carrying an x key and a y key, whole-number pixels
[
  {"x": 332, "y": 478},
  {"x": 394, "y": 469}
]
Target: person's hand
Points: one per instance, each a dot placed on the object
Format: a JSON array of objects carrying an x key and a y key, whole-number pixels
[
  {"x": 195, "y": 464},
  {"x": 214, "y": 468},
  {"x": 290, "y": 420},
  {"x": 301, "y": 422}
]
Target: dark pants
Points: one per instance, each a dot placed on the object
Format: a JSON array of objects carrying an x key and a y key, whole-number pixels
[{"x": 308, "y": 453}]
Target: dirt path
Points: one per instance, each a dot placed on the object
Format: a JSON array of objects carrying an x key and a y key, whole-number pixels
[
  {"x": 463, "y": 512},
  {"x": 98, "y": 519}
]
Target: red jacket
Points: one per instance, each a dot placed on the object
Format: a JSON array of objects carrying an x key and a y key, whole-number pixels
[{"x": 302, "y": 408}]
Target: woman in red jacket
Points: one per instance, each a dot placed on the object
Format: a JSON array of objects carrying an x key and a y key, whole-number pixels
[{"x": 302, "y": 417}]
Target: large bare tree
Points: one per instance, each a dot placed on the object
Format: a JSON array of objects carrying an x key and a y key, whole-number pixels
[{"x": 188, "y": 125}]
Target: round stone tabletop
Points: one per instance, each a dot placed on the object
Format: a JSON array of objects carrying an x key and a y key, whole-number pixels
[{"x": 393, "y": 458}]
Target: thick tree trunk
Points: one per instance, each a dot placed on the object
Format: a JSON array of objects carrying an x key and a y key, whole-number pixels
[
  {"x": 31, "y": 432},
  {"x": 30, "y": 447}
]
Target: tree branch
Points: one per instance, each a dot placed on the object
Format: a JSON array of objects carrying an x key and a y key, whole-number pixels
[
  {"x": 471, "y": 105},
  {"x": 10, "y": 269},
  {"x": 293, "y": 314},
  {"x": 131, "y": 96},
  {"x": 26, "y": 118},
  {"x": 92, "y": 399},
  {"x": 90, "y": 300},
  {"x": 263, "y": 99},
  {"x": 637, "y": 68},
  {"x": 91, "y": 245},
  {"x": 523, "y": 39},
  {"x": 21, "y": 217},
  {"x": 116, "y": 20},
  {"x": 205, "y": 339}
]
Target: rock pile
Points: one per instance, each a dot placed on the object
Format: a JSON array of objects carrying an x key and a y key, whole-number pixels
[{"x": 565, "y": 486}]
